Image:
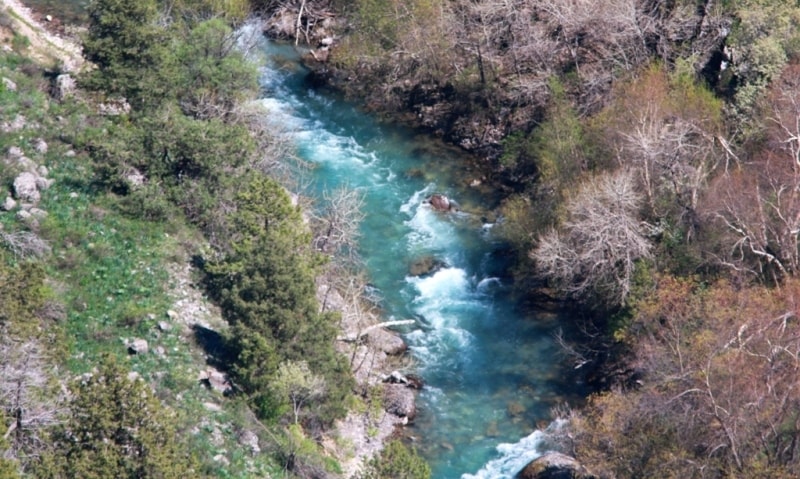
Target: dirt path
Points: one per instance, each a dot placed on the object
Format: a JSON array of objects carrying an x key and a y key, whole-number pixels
[{"x": 46, "y": 48}]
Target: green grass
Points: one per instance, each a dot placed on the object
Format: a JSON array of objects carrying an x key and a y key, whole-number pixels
[{"x": 110, "y": 271}]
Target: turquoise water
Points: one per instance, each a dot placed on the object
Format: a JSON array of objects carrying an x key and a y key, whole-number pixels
[{"x": 492, "y": 371}]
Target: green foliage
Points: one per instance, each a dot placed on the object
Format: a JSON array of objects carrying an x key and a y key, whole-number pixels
[
  {"x": 8, "y": 467},
  {"x": 22, "y": 296},
  {"x": 128, "y": 48},
  {"x": 117, "y": 428},
  {"x": 397, "y": 461},
  {"x": 213, "y": 75},
  {"x": 267, "y": 292}
]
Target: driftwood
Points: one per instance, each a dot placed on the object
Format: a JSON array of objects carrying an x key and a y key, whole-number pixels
[{"x": 364, "y": 332}]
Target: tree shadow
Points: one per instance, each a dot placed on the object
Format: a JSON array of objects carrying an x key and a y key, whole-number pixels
[{"x": 218, "y": 352}]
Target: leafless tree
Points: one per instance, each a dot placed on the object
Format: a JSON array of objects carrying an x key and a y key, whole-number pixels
[
  {"x": 24, "y": 244},
  {"x": 758, "y": 204},
  {"x": 27, "y": 394},
  {"x": 593, "y": 255}
]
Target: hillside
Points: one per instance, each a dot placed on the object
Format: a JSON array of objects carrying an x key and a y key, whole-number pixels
[{"x": 133, "y": 241}]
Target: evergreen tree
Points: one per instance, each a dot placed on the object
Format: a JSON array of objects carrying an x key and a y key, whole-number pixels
[
  {"x": 118, "y": 429},
  {"x": 128, "y": 48},
  {"x": 266, "y": 287}
]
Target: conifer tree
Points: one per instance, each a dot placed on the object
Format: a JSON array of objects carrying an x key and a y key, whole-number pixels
[{"x": 119, "y": 429}]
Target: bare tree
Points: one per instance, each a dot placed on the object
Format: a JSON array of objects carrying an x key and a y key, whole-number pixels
[
  {"x": 26, "y": 394},
  {"x": 593, "y": 255},
  {"x": 758, "y": 204}
]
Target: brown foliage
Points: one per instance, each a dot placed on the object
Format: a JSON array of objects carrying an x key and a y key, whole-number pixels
[
  {"x": 719, "y": 391},
  {"x": 758, "y": 204}
]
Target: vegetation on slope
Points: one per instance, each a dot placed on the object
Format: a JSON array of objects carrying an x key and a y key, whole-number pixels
[
  {"x": 650, "y": 153},
  {"x": 155, "y": 157}
]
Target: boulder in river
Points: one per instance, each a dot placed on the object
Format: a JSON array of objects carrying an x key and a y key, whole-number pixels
[
  {"x": 554, "y": 465},
  {"x": 400, "y": 400},
  {"x": 425, "y": 265},
  {"x": 440, "y": 202}
]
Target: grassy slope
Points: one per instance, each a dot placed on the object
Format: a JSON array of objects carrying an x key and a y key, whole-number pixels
[{"x": 116, "y": 276}]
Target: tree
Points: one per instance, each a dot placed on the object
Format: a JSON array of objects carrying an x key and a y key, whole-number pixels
[
  {"x": 397, "y": 461},
  {"x": 117, "y": 428},
  {"x": 757, "y": 205},
  {"x": 267, "y": 291},
  {"x": 8, "y": 467},
  {"x": 128, "y": 48},
  {"x": 716, "y": 396},
  {"x": 592, "y": 256},
  {"x": 295, "y": 382}
]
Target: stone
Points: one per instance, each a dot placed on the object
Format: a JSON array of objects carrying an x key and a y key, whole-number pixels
[
  {"x": 15, "y": 152},
  {"x": 65, "y": 87},
  {"x": 554, "y": 465},
  {"x": 388, "y": 342},
  {"x": 425, "y": 265},
  {"x": 9, "y": 84},
  {"x": 138, "y": 346},
  {"x": 44, "y": 183},
  {"x": 43, "y": 171},
  {"x": 9, "y": 204},
  {"x": 73, "y": 195},
  {"x": 213, "y": 407},
  {"x": 249, "y": 439},
  {"x": 439, "y": 202},
  {"x": 48, "y": 18},
  {"x": 19, "y": 122},
  {"x": 164, "y": 326},
  {"x": 24, "y": 216},
  {"x": 215, "y": 380},
  {"x": 40, "y": 146},
  {"x": 220, "y": 458},
  {"x": 25, "y": 188},
  {"x": 38, "y": 213},
  {"x": 133, "y": 376},
  {"x": 172, "y": 314},
  {"x": 400, "y": 401}
]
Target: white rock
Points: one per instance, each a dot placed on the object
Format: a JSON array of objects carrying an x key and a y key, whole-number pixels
[
  {"x": 9, "y": 84},
  {"x": 138, "y": 346},
  {"x": 42, "y": 183},
  {"x": 26, "y": 189},
  {"x": 37, "y": 213},
  {"x": 74, "y": 195},
  {"x": 9, "y": 204},
  {"x": 65, "y": 86},
  {"x": 43, "y": 171},
  {"x": 40, "y": 146},
  {"x": 15, "y": 152}
]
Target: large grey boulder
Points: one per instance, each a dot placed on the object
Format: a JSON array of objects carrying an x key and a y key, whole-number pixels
[{"x": 554, "y": 465}]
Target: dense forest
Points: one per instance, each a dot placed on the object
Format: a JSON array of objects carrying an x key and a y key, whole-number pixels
[{"x": 649, "y": 158}]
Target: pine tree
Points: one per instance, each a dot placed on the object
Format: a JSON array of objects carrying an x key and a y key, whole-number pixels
[{"x": 119, "y": 429}]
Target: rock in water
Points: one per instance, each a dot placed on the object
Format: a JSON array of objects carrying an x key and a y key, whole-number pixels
[
  {"x": 439, "y": 202},
  {"x": 400, "y": 401},
  {"x": 554, "y": 465}
]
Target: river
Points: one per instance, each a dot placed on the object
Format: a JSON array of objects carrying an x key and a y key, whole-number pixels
[{"x": 492, "y": 371}]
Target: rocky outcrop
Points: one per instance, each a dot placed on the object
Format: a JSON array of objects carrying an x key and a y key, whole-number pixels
[{"x": 554, "y": 465}]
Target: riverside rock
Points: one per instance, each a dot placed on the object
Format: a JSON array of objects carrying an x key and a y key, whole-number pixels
[
  {"x": 554, "y": 465},
  {"x": 400, "y": 401}
]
